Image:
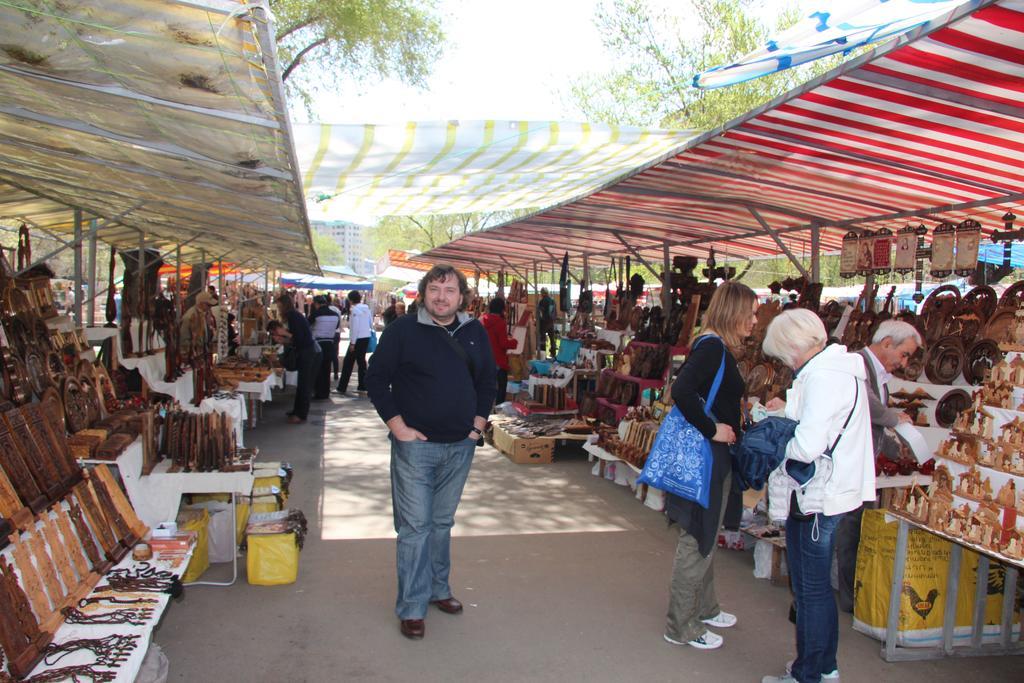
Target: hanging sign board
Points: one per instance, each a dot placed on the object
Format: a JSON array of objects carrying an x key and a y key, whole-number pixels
[
  {"x": 968, "y": 233},
  {"x": 881, "y": 260},
  {"x": 848, "y": 256},
  {"x": 906, "y": 250},
  {"x": 943, "y": 241},
  {"x": 866, "y": 254}
]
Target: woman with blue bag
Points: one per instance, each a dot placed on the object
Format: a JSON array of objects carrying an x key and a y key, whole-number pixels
[{"x": 693, "y": 603}]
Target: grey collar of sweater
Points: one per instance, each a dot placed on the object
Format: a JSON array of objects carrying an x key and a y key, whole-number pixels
[{"x": 423, "y": 318}]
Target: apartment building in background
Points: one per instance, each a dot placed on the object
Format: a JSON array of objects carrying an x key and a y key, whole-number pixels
[{"x": 351, "y": 238}]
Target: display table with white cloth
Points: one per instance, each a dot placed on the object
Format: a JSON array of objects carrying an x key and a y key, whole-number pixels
[
  {"x": 127, "y": 671},
  {"x": 157, "y": 496}
]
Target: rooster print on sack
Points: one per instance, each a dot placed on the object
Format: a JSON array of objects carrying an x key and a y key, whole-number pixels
[{"x": 923, "y": 606}]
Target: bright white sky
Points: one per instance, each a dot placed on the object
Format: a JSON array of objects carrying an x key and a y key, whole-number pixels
[{"x": 505, "y": 59}]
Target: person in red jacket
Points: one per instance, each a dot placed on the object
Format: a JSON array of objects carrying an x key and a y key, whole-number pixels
[{"x": 501, "y": 343}]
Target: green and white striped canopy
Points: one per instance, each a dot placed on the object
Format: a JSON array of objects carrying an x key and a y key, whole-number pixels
[{"x": 355, "y": 172}]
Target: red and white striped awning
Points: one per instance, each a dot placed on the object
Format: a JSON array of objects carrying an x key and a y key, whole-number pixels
[{"x": 926, "y": 128}]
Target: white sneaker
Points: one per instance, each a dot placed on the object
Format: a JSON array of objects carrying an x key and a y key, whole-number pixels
[
  {"x": 830, "y": 676},
  {"x": 721, "y": 620},
  {"x": 779, "y": 679},
  {"x": 708, "y": 641}
]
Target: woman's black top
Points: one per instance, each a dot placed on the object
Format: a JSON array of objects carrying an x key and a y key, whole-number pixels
[{"x": 691, "y": 386}]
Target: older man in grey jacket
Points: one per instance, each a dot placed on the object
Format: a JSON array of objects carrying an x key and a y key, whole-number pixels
[{"x": 893, "y": 344}]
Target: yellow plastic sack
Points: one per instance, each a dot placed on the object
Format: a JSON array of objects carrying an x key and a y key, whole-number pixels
[
  {"x": 198, "y": 521},
  {"x": 267, "y": 482},
  {"x": 272, "y": 560},
  {"x": 923, "y": 603},
  {"x": 210, "y": 497},
  {"x": 242, "y": 510}
]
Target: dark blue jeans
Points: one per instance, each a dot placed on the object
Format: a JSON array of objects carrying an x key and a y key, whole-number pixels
[
  {"x": 809, "y": 554},
  {"x": 426, "y": 485}
]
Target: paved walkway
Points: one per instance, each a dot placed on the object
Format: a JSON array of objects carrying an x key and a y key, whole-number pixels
[{"x": 564, "y": 578}]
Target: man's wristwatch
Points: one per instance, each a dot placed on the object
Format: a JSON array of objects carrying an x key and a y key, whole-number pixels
[{"x": 479, "y": 436}]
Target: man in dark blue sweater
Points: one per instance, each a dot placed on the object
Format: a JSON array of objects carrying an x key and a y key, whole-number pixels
[{"x": 432, "y": 381}]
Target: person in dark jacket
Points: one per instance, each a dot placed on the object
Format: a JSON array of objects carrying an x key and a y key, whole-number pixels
[
  {"x": 693, "y": 603},
  {"x": 501, "y": 343},
  {"x": 307, "y": 352},
  {"x": 432, "y": 381}
]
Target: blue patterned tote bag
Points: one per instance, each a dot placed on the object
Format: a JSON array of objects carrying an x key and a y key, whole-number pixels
[{"x": 680, "y": 460}]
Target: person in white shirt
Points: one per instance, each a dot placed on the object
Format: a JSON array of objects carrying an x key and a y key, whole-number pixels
[
  {"x": 360, "y": 320},
  {"x": 325, "y": 321}
]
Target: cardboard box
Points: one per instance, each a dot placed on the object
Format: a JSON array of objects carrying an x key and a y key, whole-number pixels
[{"x": 538, "y": 451}]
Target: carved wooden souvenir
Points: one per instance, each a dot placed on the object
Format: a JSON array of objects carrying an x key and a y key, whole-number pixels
[
  {"x": 45, "y": 565},
  {"x": 103, "y": 474},
  {"x": 20, "y": 636},
  {"x": 1013, "y": 296},
  {"x": 55, "y": 368},
  {"x": 18, "y": 471},
  {"x": 21, "y": 384},
  {"x": 59, "y": 555},
  {"x": 97, "y": 522},
  {"x": 979, "y": 359},
  {"x": 85, "y": 537},
  {"x": 43, "y": 470},
  {"x": 945, "y": 360},
  {"x": 72, "y": 543},
  {"x": 10, "y": 505},
  {"x": 76, "y": 406},
  {"x": 121, "y": 529},
  {"x": 31, "y": 582},
  {"x": 92, "y": 400},
  {"x": 57, "y": 442}
]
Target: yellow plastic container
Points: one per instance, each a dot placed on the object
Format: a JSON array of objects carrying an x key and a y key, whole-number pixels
[
  {"x": 198, "y": 521},
  {"x": 272, "y": 560}
]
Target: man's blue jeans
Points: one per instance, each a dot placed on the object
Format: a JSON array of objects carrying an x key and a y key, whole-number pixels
[
  {"x": 426, "y": 485},
  {"x": 809, "y": 554}
]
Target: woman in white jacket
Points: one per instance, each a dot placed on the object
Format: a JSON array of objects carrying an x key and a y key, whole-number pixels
[{"x": 828, "y": 471}]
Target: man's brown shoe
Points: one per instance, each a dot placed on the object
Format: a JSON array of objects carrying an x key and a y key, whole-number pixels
[
  {"x": 413, "y": 629},
  {"x": 448, "y": 605}
]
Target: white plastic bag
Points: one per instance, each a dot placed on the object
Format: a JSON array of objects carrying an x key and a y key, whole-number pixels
[{"x": 155, "y": 667}]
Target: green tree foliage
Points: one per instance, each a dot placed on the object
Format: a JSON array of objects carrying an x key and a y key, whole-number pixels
[
  {"x": 423, "y": 233},
  {"x": 328, "y": 252},
  {"x": 661, "y": 51},
  {"x": 322, "y": 41}
]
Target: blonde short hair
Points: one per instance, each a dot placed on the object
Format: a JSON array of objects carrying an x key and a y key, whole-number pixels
[{"x": 792, "y": 334}]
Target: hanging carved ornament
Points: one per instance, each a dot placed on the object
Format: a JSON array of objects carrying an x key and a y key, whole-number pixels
[
  {"x": 950, "y": 406},
  {"x": 936, "y": 310},
  {"x": 906, "y": 250},
  {"x": 984, "y": 300},
  {"x": 943, "y": 242},
  {"x": 1013, "y": 297},
  {"x": 964, "y": 322},
  {"x": 38, "y": 372},
  {"x": 881, "y": 251},
  {"x": 968, "y": 234},
  {"x": 866, "y": 253},
  {"x": 849, "y": 255},
  {"x": 945, "y": 361},
  {"x": 980, "y": 358},
  {"x": 76, "y": 406}
]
